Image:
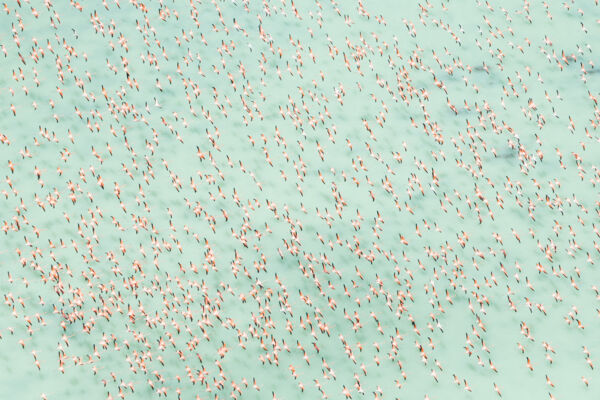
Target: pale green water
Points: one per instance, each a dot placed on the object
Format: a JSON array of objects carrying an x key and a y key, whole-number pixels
[{"x": 21, "y": 379}]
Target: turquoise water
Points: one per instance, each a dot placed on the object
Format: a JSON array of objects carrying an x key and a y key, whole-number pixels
[{"x": 254, "y": 179}]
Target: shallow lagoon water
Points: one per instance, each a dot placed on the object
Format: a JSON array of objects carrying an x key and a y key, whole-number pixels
[{"x": 160, "y": 214}]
